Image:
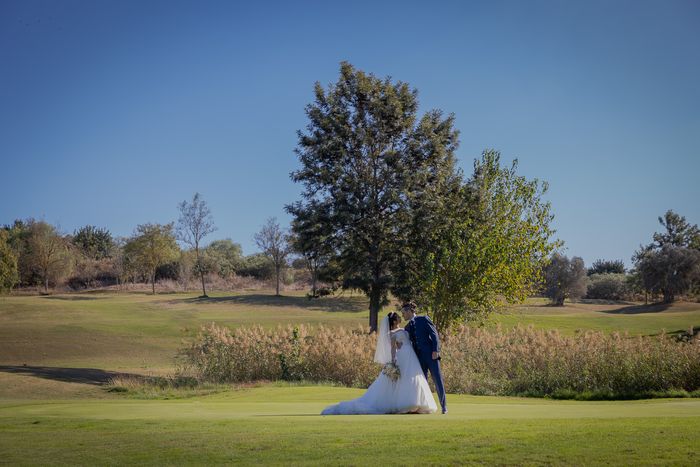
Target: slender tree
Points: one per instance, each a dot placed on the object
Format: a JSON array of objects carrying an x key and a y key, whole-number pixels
[
  {"x": 361, "y": 153},
  {"x": 272, "y": 240},
  {"x": 194, "y": 224},
  {"x": 152, "y": 245}
]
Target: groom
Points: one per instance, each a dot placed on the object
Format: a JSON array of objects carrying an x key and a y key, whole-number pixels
[{"x": 426, "y": 343}]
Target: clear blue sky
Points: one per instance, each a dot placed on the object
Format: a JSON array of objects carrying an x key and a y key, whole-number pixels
[{"x": 111, "y": 112}]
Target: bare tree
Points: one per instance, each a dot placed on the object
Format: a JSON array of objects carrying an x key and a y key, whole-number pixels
[
  {"x": 272, "y": 240},
  {"x": 194, "y": 224}
]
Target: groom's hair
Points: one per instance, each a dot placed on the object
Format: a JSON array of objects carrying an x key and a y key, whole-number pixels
[{"x": 410, "y": 306}]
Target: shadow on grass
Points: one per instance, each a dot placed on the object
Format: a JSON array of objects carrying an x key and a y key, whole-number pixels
[
  {"x": 331, "y": 304},
  {"x": 93, "y": 376},
  {"x": 72, "y": 298},
  {"x": 639, "y": 309}
]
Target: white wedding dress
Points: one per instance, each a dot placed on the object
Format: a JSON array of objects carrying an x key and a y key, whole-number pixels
[{"x": 409, "y": 394}]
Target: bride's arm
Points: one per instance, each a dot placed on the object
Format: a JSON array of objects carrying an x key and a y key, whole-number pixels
[{"x": 393, "y": 349}]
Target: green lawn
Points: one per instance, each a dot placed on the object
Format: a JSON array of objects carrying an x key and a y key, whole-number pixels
[
  {"x": 141, "y": 331},
  {"x": 608, "y": 317},
  {"x": 55, "y": 410},
  {"x": 281, "y": 425}
]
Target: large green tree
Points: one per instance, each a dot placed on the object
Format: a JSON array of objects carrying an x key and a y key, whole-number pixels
[
  {"x": 151, "y": 246},
  {"x": 364, "y": 155},
  {"x": 486, "y": 242}
]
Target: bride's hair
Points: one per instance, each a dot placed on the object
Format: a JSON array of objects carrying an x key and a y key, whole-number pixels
[{"x": 393, "y": 319}]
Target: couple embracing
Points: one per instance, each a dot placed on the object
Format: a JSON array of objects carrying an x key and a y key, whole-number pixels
[{"x": 408, "y": 355}]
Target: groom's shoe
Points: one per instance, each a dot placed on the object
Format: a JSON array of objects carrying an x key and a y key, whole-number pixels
[{"x": 444, "y": 411}]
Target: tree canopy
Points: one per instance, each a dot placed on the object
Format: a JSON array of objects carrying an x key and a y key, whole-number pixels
[
  {"x": 486, "y": 245},
  {"x": 362, "y": 149}
]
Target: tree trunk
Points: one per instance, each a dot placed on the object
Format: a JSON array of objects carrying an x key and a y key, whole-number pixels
[
  {"x": 201, "y": 270},
  {"x": 153, "y": 282},
  {"x": 668, "y": 296},
  {"x": 204, "y": 291},
  {"x": 277, "y": 273},
  {"x": 374, "y": 305},
  {"x": 46, "y": 284},
  {"x": 313, "y": 283}
]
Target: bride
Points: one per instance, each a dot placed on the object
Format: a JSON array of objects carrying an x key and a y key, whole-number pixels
[{"x": 410, "y": 393}]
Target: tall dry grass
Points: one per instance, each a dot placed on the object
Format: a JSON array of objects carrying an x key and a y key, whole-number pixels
[{"x": 520, "y": 361}]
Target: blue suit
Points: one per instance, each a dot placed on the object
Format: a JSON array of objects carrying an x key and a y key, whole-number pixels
[{"x": 425, "y": 340}]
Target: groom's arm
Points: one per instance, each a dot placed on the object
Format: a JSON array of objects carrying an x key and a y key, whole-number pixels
[{"x": 434, "y": 339}]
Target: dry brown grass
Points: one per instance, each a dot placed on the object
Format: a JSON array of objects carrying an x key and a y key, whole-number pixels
[{"x": 519, "y": 361}]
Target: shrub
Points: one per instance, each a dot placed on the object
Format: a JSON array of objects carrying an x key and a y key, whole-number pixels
[
  {"x": 608, "y": 287},
  {"x": 521, "y": 361}
]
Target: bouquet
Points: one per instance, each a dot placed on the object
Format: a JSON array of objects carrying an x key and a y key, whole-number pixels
[{"x": 391, "y": 370}]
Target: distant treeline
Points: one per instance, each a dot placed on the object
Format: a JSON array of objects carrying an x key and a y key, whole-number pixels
[
  {"x": 34, "y": 253},
  {"x": 668, "y": 267}
]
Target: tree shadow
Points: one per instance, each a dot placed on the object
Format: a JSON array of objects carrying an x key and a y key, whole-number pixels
[
  {"x": 72, "y": 298},
  {"x": 92, "y": 376},
  {"x": 639, "y": 309},
  {"x": 602, "y": 301},
  {"x": 330, "y": 304}
]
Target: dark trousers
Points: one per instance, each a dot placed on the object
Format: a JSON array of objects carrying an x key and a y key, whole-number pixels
[{"x": 428, "y": 364}]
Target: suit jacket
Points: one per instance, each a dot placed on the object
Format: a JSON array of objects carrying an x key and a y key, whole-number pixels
[{"x": 424, "y": 336}]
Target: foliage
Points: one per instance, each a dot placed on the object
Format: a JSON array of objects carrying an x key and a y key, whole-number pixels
[
  {"x": 607, "y": 267},
  {"x": 151, "y": 246},
  {"x": 194, "y": 224},
  {"x": 47, "y": 253},
  {"x": 475, "y": 361},
  {"x": 258, "y": 266},
  {"x": 564, "y": 278},
  {"x": 678, "y": 232},
  {"x": 311, "y": 238},
  {"x": 18, "y": 242},
  {"x": 93, "y": 273},
  {"x": 671, "y": 270},
  {"x": 227, "y": 256},
  {"x": 9, "y": 275},
  {"x": 493, "y": 244},
  {"x": 272, "y": 240},
  {"x": 361, "y": 150},
  {"x": 93, "y": 242},
  {"x": 670, "y": 265},
  {"x": 608, "y": 286}
]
